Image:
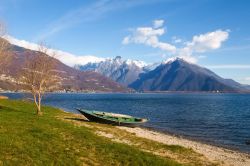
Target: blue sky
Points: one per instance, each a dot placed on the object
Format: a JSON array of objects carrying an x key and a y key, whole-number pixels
[{"x": 99, "y": 28}]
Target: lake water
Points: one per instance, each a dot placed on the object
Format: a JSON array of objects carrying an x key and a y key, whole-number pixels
[{"x": 221, "y": 119}]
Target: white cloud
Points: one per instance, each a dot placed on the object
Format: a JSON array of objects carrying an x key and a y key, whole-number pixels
[
  {"x": 199, "y": 44},
  {"x": 149, "y": 36},
  {"x": 205, "y": 42},
  {"x": 158, "y": 23},
  {"x": 65, "y": 57}
]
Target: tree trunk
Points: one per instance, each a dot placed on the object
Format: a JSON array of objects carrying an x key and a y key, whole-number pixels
[
  {"x": 39, "y": 112},
  {"x": 37, "y": 100},
  {"x": 39, "y": 105}
]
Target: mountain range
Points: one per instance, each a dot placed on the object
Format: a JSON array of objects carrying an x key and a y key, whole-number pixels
[
  {"x": 122, "y": 71},
  {"x": 119, "y": 75},
  {"x": 179, "y": 75},
  {"x": 69, "y": 78},
  {"x": 173, "y": 75}
]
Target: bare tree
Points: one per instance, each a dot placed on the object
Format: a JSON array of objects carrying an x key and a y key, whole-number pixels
[
  {"x": 39, "y": 75},
  {"x": 4, "y": 48}
]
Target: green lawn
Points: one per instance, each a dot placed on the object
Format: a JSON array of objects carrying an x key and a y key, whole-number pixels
[{"x": 26, "y": 139}]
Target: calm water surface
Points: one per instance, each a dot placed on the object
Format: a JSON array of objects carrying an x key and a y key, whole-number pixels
[{"x": 221, "y": 119}]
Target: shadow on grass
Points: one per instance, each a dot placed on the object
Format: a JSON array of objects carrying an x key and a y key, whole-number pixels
[
  {"x": 79, "y": 119},
  {"x": 90, "y": 122},
  {"x": 103, "y": 123}
]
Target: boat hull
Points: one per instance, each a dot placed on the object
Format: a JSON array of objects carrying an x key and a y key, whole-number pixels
[{"x": 98, "y": 119}]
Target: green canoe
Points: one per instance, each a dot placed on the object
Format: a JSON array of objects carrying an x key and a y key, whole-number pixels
[{"x": 111, "y": 118}]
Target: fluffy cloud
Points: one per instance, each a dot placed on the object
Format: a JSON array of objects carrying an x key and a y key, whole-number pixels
[
  {"x": 65, "y": 57},
  {"x": 199, "y": 44},
  {"x": 205, "y": 42},
  {"x": 150, "y": 37}
]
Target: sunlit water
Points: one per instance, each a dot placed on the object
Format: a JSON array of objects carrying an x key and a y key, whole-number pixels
[{"x": 221, "y": 119}]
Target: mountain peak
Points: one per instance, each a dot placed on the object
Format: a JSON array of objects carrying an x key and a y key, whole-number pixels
[
  {"x": 138, "y": 63},
  {"x": 118, "y": 58},
  {"x": 177, "y": 74},
  {"x": 175, "y": 59}
]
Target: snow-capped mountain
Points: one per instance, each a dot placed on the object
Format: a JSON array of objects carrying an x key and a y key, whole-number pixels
[
  {"x": 122, "y": 71},
  {"x": 179, "y": 75},
  {"x": 174, "y": 74}
]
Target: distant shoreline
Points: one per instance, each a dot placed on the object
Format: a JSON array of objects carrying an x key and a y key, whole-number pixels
[{"x": 148, "y": 92}]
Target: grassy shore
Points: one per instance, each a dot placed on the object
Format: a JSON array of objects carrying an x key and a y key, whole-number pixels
[{"x": 60, "y": 138}]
